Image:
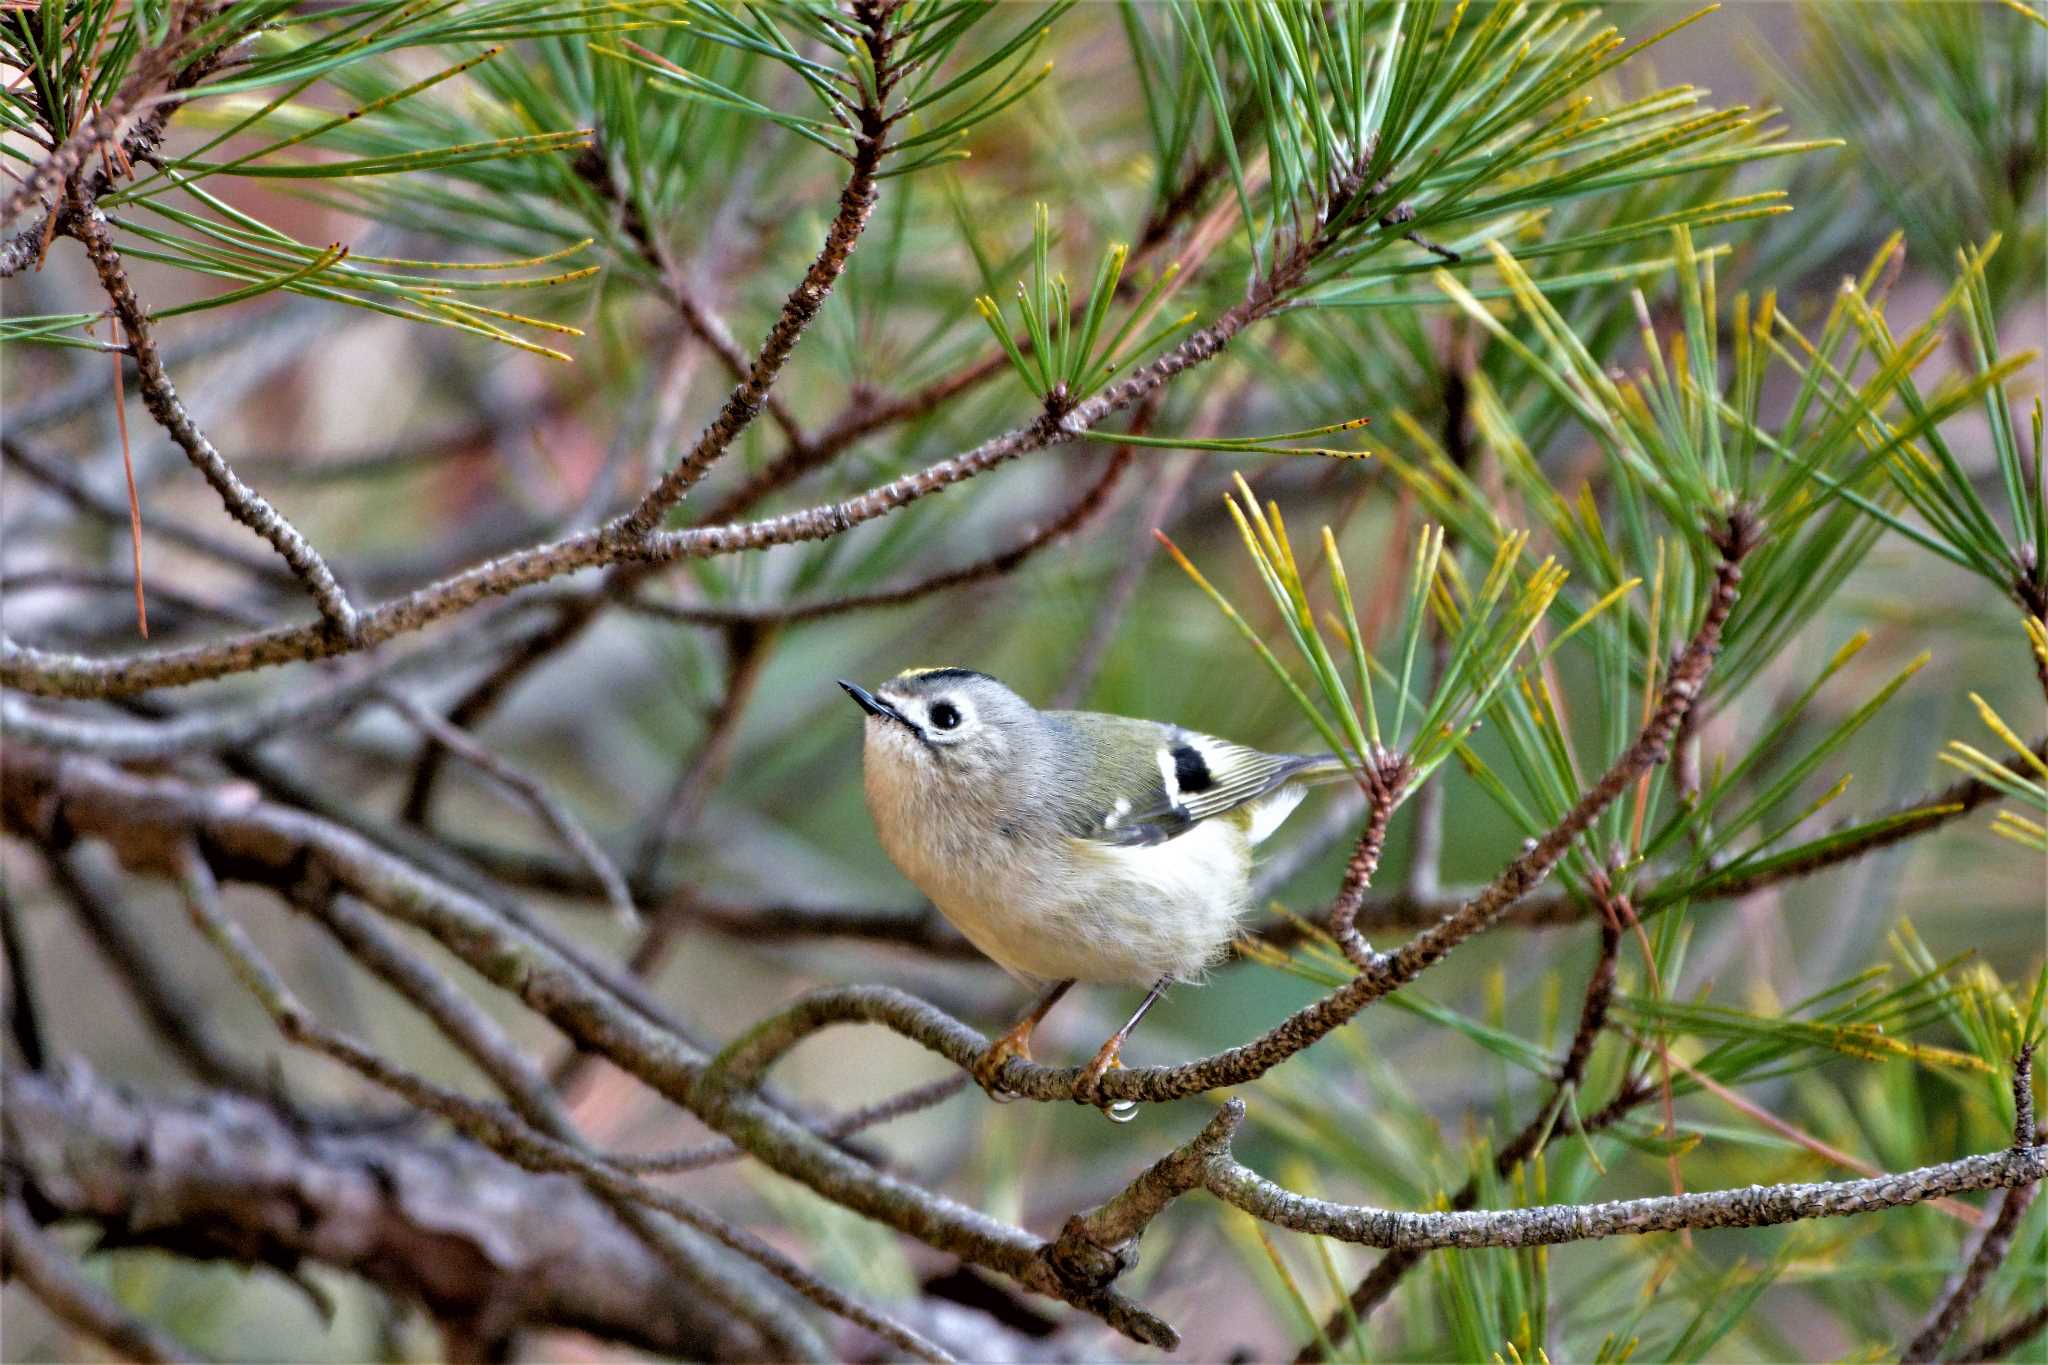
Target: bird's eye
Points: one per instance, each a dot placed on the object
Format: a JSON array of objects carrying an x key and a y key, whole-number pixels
[{"x": 945, "y": 715}]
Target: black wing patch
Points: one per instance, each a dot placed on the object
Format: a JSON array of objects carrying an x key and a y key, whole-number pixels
[{"x": 1209, "y": 777}]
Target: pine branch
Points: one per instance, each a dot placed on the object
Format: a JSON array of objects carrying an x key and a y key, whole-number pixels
[
  {"x": 243, "y": 503},
  {"x": 40, "y": 1262}
]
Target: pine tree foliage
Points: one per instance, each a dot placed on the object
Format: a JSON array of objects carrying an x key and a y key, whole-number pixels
[{"x": 1642, "y": 494}]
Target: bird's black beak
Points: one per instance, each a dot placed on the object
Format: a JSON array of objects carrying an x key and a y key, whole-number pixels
[{"x": 872, "y": 704}]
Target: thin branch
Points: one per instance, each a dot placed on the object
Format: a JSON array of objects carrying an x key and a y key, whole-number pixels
[
  {"x": 1960, "y": 1293},
  {"x": 438, "y": 1220},
  {"x": 1098, "y": 1246},
  {"x": 528, "y": 788},
  {"x": 1379, "y": 1282},
  {"x": 40, "y": 1262},
  {"x": 62, "y": 478},
  {"x": 745, "y": 402},
  {"x": 2005, "y": 1343},
  {"x": 747, "y": 652},
  {"x": 258, "y": 841},
  {"x": 179, "y": 1020},
  {"x": 24, "y": 1019},
  {"x": 1077, "y": 514},
  {"x": 1553, "y": 1224},
  {"x": 485, "y": 694},
  {"x": 243, "y": 503},
  {"x": 1386, "y": 782},
  {"x": 846, "y": 1125}
]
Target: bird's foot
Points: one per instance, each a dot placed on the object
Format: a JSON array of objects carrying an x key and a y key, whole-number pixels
[
  {"x": 1088, "y": 1090},
  {"x": 988, "y": 1067}
]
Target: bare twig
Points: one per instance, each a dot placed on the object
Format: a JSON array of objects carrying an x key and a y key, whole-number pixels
[
  {"x": 61, "y": 478},
  {"x": 2007, "y": 1340},
  {"x": 1386, "y": 782},
  {"x": 150, "y": 818},
  {"x": 1077, "y": 514},
  {"x": 434, "y": 1219},
  {"x": 747, "y": 650},
  {"x": 243, "y": 503},
  {"x": 36, "y": 1259},
  {"x": 528, "y": 788},
  {"x": 1961, "y": 1291},
  {"x": 846, "y": 1125},
  {"x": 1379, "y": 1282},
  {"x": 178, "y": 1018},
  {"x": 24, "y": 1019}
]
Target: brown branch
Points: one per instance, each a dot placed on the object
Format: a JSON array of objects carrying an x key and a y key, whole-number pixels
[
  {"x": 1098, "y": 1246},
  {"x": 1386, "y": 782},
  {"x": 745, "y": 402},
  {"x": 149, "y": 820},
  {"x": 178, "y": 1019},
  {"x": 441, "y": 1222},
  {"x": 139, "y": 91},
  {"x": 1379, "y": 1282},
  {"x": 1076, "y": 515},
  {"x": 24, "y": 1016},
  {"x": 40, "y": 1262},
  {"x": 865, "y": 415},
  {"x": 52, "y": 673},
  {"x": 1960, "y": 1293},
  {"x": 243, "y": 503},
  {"x": 1553, "y": 1224},
  {"x": 529, "y": 789},
  {"x": 747, "y": 652},
  {"x": 2006, "y": 1342},
  {"x": 484, "y": 696},
  {"x": 63, "y": 479},
  {"x": 846, "y": 1125}
]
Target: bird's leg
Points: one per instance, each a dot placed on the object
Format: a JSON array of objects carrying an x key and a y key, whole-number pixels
[
  {"x": 1016, "y": 1043},
  {"x": 1106, "y": 1060}
]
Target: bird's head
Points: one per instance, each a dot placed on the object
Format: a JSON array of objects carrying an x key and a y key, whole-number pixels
[{"x": 943, "y": 725}]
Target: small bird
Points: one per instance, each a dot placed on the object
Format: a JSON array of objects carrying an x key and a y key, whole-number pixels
[{"x": 1070, "y": 845}]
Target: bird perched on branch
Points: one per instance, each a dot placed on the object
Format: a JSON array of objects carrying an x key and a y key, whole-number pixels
[{"x": 1070, "y": 845}]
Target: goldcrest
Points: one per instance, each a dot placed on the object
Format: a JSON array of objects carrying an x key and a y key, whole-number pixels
[{"x": 1070, "y": 845}]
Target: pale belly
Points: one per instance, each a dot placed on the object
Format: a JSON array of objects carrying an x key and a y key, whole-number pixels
[{"x": 1095, "y": 913}]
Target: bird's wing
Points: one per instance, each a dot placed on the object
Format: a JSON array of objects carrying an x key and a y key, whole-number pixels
[{"x": 1173, "y": 779}]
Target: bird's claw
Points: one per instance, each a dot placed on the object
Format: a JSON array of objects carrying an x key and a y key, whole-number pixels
[
  {"x": 988, "y": 1067},
  {"x": 1088, "y": 1089}
]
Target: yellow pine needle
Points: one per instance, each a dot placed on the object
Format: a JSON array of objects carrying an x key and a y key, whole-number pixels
[
  {"x": 539, "y": 324},
  {"x": 1996, "y": 724},
  {"x": 2009, "y": 825},
  {"x": 522, "y": 263}
]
